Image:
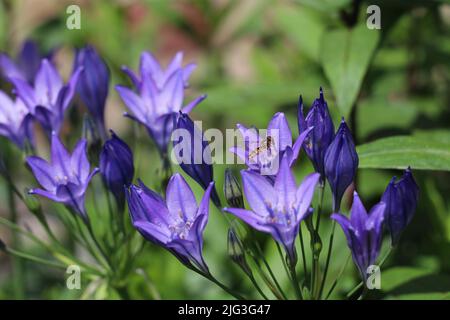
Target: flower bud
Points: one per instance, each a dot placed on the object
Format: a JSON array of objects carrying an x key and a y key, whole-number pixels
[
  {"x": 320, "y": 137},
  {"x": 401, "y": 198},
  {"x": 93, "y": 84},
  {"x": 236, "y": 251},
  {"x": 341, "y": 163},
  {"x": 116, "y": 167},
  {"x": 193, "y": 154},
  {"x": 232, "y": 190}
]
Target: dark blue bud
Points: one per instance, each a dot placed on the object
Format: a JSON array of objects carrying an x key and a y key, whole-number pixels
[
  {"x": 401, "y": 198},
  {"x": 193, "y": 153},
  {"x": 116, "y": 167},
  {"x": 322, "y": 134},
  {"x": 341, "y": 163},
  {"x": 93, "y": 84}
]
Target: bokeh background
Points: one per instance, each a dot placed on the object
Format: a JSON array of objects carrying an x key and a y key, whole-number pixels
[{"x": 254, "y": 58}]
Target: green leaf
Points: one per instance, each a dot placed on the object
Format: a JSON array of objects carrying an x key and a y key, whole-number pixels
[
  {"x": 414, "y": 283},
  {"x": 302, "y": 26},
  {"x": 346, "y": 55},
  {"x": 424, "y": 151}
]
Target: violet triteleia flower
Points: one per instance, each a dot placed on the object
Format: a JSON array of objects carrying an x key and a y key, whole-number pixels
[
  {"x": 116, "y": 167},
  {"x": 363, "y": 232},
  {"x": 193, "y": 154},
  {"x": 401, "y": 198},
  {"x": 157, "y": 108},
  {"x": 262, "y": 152},
  {"x": 149, "y": 65},
  {"x": 341, "y": 163},
  {"x": 321, "y": 136},
  {"x": 93, "y": 84},
  {"x": 176, "y": 223},
  {"x": 277, "y": 209},
  {"x": 15, "y": 121},
  {"x": 66, "y": 177},
  {"x": 26, "y": 64},
  {"x": 49, "y": 98}
]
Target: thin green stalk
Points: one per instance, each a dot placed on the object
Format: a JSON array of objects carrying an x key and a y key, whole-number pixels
[
  {"x": 302, "y": 246},
  {"x": 338, "y": 277},
  {"x": 27, "y": 256},
  {"x": 18, "y": 279},
  {"x": 327, "y": 263},
  {"x": 267, "y": 280},
  {"x": 257, "y": 287},
  {"x": 272, "y": 275}
]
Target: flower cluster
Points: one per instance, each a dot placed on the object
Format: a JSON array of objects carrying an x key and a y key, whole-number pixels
[{"x": 278, "y": 206}]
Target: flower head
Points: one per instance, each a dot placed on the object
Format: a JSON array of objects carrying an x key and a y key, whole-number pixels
[
  {"x": 277, "y": 209},
  {"x": 176, "y": 223},
  {"x": 262, "y": 152},
  {"x": 341, "y": 163},
  {"x": 157, "y": 100},
  {"x": 49, "y": 98},
  {"x": 66, "y": 177},
  {"x": 363, "y": 232},
  {"x": 15, "y": 120},
  {"x": 193, "y": 154},
  {"x": 116, "y": 167},
  {"x": 25, "y": 66},
  {"x": 93, "y": 83},
  {"x": 401, "y": 198},
  {"x": 150, "y": 65},
  {"x": 322, "y": 134}
]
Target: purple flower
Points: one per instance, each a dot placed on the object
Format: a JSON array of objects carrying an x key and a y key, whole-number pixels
[
  {"x": 193, "y": 154},
  {"x": 401, "y": 198},
  {"x": 176, "y": 223},
  {"x": 66, "y": 177},
  {"x": 156, "y": 107},
  {"x": 15, "y": 121},
  {"x": 363, "y": 232},
  {"x": 49, "y": 98},
  {"x": 277, "y": 209},
  {"x": 149, "y": 65},
  {"x": 317, "y": 142},
  {"x": 93, "y": 84},
  {"x": 116, "y": 167},
  {"x": 262, "y": 152},
  {"x": 341, "y": 163},
  {"x": 26, "y": 65}
]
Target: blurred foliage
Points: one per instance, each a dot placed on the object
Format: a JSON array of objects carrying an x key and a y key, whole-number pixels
[{"x": 254, "y": 59}]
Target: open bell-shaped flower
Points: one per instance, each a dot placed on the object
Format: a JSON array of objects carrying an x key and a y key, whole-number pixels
[
  {"x": 363, "y": 232},
  {"x": 66, "y": 177},
  {"x": 277, "y": 209},
  {"x": 175, "y": 223}
]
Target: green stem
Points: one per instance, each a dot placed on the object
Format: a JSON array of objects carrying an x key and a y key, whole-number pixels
[
  {"x": 30, "y": 257},
  {"x": 338, "y": 277},
  {"x": 302, "y": 246},
  {"x": 18, "y": 279},
  {"x": 327, "y": 263}
]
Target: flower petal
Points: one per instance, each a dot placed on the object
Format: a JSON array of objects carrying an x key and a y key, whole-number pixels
[{"x": 180, "y": 199}]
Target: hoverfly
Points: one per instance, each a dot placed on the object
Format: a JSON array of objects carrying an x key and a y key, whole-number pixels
[{"x": 266, "y": 145}]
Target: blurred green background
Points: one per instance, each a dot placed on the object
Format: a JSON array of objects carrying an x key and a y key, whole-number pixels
[{"x": 254, "y": 58}]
